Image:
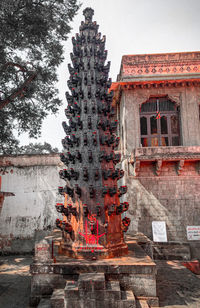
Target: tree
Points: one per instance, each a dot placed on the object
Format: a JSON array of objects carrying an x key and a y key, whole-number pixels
[
  {"x": 31, "y": 49},
  {"x": 37, "y": 148}
]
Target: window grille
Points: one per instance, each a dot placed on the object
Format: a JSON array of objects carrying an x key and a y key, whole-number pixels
[{"x": 159, "y": 123}]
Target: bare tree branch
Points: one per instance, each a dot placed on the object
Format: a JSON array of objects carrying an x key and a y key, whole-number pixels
[
  {"x": 22, "y": 88},
  {"x": 21, "y": 68}
]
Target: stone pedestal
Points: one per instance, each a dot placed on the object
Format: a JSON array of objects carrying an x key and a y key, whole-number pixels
[{"x": 128, "y": 281}]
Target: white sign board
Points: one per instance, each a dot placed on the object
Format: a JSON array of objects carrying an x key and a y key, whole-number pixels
[
  {"x": 193, "y": 233},
  {"x": 159, "y": 231}
]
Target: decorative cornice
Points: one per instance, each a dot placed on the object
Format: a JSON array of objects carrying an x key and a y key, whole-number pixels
[
  {"x": 131, "y": 85},
  {"x": 176, "y": 153},
  {"x": 161, "y": 57},
  {"x": 160, "y": 64},
  {"x": 118, "y": 87},
  {"x": 158, "y": 155}
]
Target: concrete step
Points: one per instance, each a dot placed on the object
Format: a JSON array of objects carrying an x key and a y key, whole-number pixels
[
  {"x": 111, "y": 292},
  {"x": 102, "y": 295},
  {"x": 92, "y": 281},
  {"x": 44, "y": 303},
  {"x": 99, "y": 303},
  {"x": 153, "y": 302},
  {"x": 142, "y": 304},
  {"x": 58, "y": 299},
  {"x": 92, "y": 291},
  {"x": 71, "y": 290},
  {"x": 72, "y": 303},
  {"x": 127, "y": 300}
]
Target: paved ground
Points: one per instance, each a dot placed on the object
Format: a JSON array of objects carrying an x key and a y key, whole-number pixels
[
  {"x": 14, "y": 281},
  {"x": 177, "y": 286}
]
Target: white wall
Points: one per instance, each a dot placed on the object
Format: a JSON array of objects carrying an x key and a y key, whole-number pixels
[{"x": 32, "y": 209}]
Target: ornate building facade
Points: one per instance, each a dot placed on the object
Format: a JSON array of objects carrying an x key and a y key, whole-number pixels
[{"x": 157, "y": 97}]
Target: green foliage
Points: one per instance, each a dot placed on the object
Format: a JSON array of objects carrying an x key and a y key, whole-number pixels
[
  {"x": 37, "y": 148},
  {"x": 31, "y": 37}
]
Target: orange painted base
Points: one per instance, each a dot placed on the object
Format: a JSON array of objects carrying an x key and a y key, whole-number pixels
[{"x": 92, "y": 252}]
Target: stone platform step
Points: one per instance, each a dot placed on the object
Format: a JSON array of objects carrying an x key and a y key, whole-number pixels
[
  {"x": 92, "y": 290},
  {"x": 92, "y": 303},
  {"x": 106, "y": 294},
  {"x": 44, "y": 303},
  {"x": 111, "y": 290},
  {"x": 58, "y": 299},
  {"x": 142, "y": 304},
  {"x": 128, "y": 300},
  {"x": 152, "y": 302},
  {"x": 92, "y": 281},
  {"x": 135, "y": 271}
]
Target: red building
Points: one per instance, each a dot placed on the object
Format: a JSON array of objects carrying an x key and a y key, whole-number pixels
[{"x": 157, "y": 97}]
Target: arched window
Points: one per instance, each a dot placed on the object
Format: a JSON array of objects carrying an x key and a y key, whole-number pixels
[{"x": 159, "y": 123}]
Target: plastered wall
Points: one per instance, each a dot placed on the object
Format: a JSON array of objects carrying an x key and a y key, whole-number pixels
[{"x": 31, "y": 212}]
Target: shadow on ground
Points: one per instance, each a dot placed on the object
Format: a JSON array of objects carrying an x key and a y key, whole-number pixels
[
  {"x": 15, "y": 281},
  {"x": 177, "y": 286}
]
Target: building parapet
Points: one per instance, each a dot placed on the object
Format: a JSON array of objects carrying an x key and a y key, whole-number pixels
[
  {"x": 167, "y": 153},
  {"x": 158, "y": 155},
  {"x": 162, "y": 64},
  {"x": 30, "y": 160}
]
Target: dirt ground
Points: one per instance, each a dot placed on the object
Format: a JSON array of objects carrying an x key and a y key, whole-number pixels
[
  {"x": 177, "y": 287},
  {"x": 15, "y": 281}
]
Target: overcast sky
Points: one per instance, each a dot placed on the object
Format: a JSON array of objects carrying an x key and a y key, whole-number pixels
[{"x": 131, "y": 27}]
